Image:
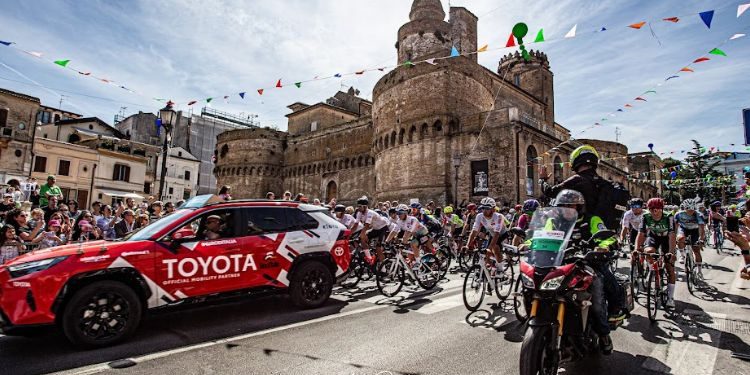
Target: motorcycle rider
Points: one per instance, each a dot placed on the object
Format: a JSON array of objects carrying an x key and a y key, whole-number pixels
[{"x": 584, "y": 161}]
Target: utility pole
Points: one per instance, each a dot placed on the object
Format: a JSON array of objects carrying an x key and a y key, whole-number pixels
[
  {"x": 59, "y": 106},
  {"x": 617, "y": 134}
]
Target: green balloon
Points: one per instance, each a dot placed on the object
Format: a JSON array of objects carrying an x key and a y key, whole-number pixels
[{"x": 520, "y": 30}]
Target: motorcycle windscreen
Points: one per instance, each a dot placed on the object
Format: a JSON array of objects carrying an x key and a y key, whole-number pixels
[{"x": 549, "y": 230}]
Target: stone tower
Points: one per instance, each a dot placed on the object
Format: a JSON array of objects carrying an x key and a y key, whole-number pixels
[
  {"x": 533, "y": 76},
  {"x": 250, "y": 161},
  {"x": 419, "y": 112}
]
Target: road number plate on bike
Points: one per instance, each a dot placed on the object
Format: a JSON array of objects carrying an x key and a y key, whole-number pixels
[{"x": 547, "y": 240}]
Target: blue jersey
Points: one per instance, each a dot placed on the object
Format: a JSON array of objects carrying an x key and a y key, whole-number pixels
[{"x": 690, "y": 222}]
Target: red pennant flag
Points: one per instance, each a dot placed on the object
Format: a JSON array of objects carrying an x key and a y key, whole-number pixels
[
  {"x": 701, "y": 59},
  {"x": 639, "y": 98},
  {"x": 260, "y": 91},
  {"x": 381, "y": 69},
  {"x": 192, "y": 102},
  {"x": 278, "y": 83},
  {"x": 672, "y": 19},
  {"x": 628, "y": 105},
  {"x": 511, "y": 41},
  {"x": 637, "y": 25},
  {"x": 360, "y": 72},
  {"x": 686, "y": 69}
]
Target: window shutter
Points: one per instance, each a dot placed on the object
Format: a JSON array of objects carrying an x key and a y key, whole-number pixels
[
  {"x": 3, "y": 117},
  {"x": 114, "y": 172},
  {"x": 127, "y": 174}
]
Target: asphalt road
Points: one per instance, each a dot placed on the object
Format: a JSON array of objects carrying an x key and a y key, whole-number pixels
[{"x": 418, "y": 332}]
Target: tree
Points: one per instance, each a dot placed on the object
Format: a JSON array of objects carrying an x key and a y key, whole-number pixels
[{"x": 697, "y": 176}]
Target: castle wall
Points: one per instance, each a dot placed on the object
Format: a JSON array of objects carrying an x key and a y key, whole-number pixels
[{"x": 250, "y": 161}]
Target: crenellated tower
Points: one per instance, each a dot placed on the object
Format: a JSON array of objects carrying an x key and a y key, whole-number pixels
[{"x": 533, "y": 76}]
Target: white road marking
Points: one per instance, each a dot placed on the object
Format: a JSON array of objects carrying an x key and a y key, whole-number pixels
[
  {"x": 441, "y": 304},
  {"x": 97, "y": 368}
]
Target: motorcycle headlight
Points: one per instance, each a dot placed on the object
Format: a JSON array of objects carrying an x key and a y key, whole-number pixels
[
  {"x": 27, "y": 268},
  {"x": 527, "y": 281},
  {"x": 553, "y": 283}
]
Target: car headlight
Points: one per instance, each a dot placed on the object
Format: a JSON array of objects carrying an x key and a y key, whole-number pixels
[
  {"x": 23, "y": 269},
  {"x": 527, "y": 281},
  {"x": 553, "y": 283}
]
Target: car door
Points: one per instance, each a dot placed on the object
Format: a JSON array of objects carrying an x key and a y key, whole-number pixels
[
  {"x": 265, "y": 231},
  {"x": 197, "y": 266}
]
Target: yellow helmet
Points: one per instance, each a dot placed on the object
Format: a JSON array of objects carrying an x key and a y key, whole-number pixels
[
  {"x": 584, "y": 155},
  {"x": 448, "y": 210}
]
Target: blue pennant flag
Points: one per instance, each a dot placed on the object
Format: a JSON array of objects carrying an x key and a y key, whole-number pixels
[
  {"x": 242, "y": 95},
  {"x": 707, "y": 16},
  {"x": 5, "y": 43},
  {"x": 158, "y": 127},
  {"x": 454, "y": 52}
]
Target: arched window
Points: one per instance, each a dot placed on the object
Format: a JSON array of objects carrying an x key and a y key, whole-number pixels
[
  {"x": 385, "y": 143},
  {"x": 531, "y": 163},
  {"x": 437, "y": 128},
  {"x": 359, "y": 162},
  {"x": 393, "y": 138},
  {"x": 412, "y": 133},
  {"x": 401, "y": 136},
  {"x": 558, "y": 170},
  {"x": 423, "y": 132},
  {"x": 331, "y": 191}
]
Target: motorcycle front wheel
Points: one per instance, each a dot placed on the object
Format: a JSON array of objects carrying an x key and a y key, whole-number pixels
[{"x": 537, "y": 356}]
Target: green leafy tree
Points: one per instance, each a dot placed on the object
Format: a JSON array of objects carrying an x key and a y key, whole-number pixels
[{"x": 697, "y": 176}]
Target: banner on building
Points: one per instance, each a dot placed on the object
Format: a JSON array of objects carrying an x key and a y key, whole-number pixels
[
  {"x": 480, "y": 178},
  {"x": 746, "y": 123}
]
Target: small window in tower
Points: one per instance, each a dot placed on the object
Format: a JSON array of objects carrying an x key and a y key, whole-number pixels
[
  {"x": 517, "y": 80},
  {"x": 313, "y": 126}
]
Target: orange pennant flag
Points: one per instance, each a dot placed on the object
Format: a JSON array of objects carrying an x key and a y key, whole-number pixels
[
  {"x": 686, "y": 69},
  {"x": 484, "y": 48},
  {"x": 628, "y": 105},
  {"x": 637, "y": 25},
  {"x": 701, "y": 59},
  {"x": 672, "y": 19},
  {"x": 511, "y": 41}
]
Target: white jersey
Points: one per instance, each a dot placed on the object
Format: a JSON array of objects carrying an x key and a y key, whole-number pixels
[
  {"x": 373, "y": 218},
  {"x": 494, "y": 223},
  {"x": 631, "y": 220},
  {"x": 410, "y": 224},
  {"x": 348, "y": 220}
]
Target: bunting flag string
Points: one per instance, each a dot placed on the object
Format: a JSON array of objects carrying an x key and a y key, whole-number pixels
[{"x": 706, "y": 17}]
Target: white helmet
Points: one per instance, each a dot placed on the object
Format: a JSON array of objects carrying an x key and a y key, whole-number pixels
[
  {"x": 688, "y": 204},
  {"x": 487, "y": 203},
  {"x": 402, "y": 209}
]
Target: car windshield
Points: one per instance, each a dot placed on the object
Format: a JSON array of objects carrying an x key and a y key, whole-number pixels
[{"x": 156, "y": 227}]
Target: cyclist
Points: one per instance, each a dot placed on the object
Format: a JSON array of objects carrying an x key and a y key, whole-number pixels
[
  {"x": 689, "y": 223},
  {"x": 453, "y": 223},
  {"x": 657, "y": 234},
  {"x": 717, "y": 220},
  {"x": 529, "y": 207},
  {"x": 471, "y": 215},
  {"x": 494, "y": 223},
  {"x": 631, "y": 221},
  {"x": 348, "y": 220},
  {"x": 374, "y": 227},
  {"x": 415, "y": 233}
]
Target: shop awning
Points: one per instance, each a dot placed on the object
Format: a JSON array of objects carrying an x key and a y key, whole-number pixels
[{"x": 120, "y": 193}]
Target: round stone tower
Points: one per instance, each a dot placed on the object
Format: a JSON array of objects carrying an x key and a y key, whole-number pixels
[
  {"x": 421, "y": 113},
  {"x": 533, "y": 76},
  {"x": 250, "y": 161}
]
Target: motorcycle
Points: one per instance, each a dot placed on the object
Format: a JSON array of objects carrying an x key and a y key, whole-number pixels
[{"x": 556, "y": 277}]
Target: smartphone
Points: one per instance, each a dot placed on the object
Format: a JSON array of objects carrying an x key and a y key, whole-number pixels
[
  {"x": 49, "y": 234},
  {"x": 733, "y": 224}
]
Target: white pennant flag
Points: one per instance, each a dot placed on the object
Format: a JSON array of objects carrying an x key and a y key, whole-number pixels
[
  {"x": 735, "y": 36},
  {"x": 572, "y": 32},
  {"x": 742, "y": 8},
  {"x": 35, "y": 54},
  {"x": 431, "y": 61}
]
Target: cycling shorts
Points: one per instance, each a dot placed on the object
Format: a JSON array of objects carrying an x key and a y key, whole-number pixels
[
  {"x": 632, "y": 234},
  {"x": 694, "y": 234},
  {"x": 660, "y": 243},
  {"x": 420, "y": 237},
  {"x": 378, "y": 234}
]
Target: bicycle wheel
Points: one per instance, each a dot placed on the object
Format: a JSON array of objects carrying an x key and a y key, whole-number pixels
[
  {"x": 652, "y": 296},
  {"x": 390, "y": 277},
  {"x": 504, "y": 281},
  {"x": 475, "y": 284},
  {"x": 519, "y": 302},
  {"x": 689, "y": 266},
  {"x": 355, "y": 272},
  {"x": 428, "y": 272},
  {"x": 464, "y": 259},
  {"x": 444, "y": 256},
  {"x": 636, "y": 279}
]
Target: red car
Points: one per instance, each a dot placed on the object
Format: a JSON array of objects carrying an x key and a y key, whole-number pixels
[{"x": 97, "y": 292}]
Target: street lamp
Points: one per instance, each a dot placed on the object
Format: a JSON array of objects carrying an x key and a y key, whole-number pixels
[
  {"x": 456, "y": 165},
  {"x": 167, "y": 118}
]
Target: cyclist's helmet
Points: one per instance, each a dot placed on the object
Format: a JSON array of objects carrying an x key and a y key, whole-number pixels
[
  {"x": 403, "y": 209},
  {"x": 518, "y": 207},
  {"x": 391, "y": 211},
  {"x": 339, "y": 208},
  {"x": 487, "y": 203},
  {"x": 416, "y": 205},
  {"x": 471, "y": 207},
  {"x": 448, "y": 210},
  {"x": 530, "y": 205},
  {"x": 584, "y": 155},
  {"x": 363, "y": 201},
  {"x": 716, "y": 204},
  {"x": 571, "y": 198},
  {"x": 688, "y": 204},
  {"x": 655, "y": 204},
  {"x": 512, "y": 211},
  {"x": 636, "y": 203}
]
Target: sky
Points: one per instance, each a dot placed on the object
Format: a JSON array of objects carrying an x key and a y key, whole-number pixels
[{"x": 190, "y": 50}]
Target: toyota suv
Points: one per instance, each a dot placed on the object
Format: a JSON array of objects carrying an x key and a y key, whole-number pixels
[{"x": 97, "y": 292}]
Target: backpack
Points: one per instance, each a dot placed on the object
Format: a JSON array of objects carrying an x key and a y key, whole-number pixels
[{"x": 612, "y": 202}]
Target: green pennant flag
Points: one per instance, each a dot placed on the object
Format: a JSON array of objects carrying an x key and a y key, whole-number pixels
[
  {"x": 298, "y": 84},
  {"x": 539, "y": 36},
  {"x": 409, "y": 63},
  {"x": 717, "y": 51},
  {"x": 209, "y": 100},
  {"x": 62, "y": 62}
]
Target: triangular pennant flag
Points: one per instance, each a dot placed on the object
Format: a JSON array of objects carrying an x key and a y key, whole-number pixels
[
  {"x": 337, "y": 75},
  {"x": 572, "y": 32},
  {"x": 596, "y": 123},
  {"x": 260, "y": 91},
  {"x": 539, "y": 36},
  {"x": 381, "y": 69},
  {"x": 484, "y": 48},
  {"x": 62, "y": 62},
  {"x": 686, "y": 69},
  {"x": 717, "y": 51},
  {"x": 454, "y": 52},
  {"x": 208, "y": 100},
  {"x": 84, "y": 73},
  {"x": 668, "y": 78},
  {"x": 430, "y": 61},
  {"x": 639, "y": 98},
  {"x": 278, "y": 83},
  {"x": 707, "y": 16},
  {"x": 603, "y": 29},
  {"x": 298, "y": 84},
  {"x": 700, "y": 59},
  {"x": 637, "y": 25},
  {"x": 619, "y": 110},
  {"x": 742, "y": 8},
  {"x": 672, "y": 19},
  {"x": 628, "y": 105},
  {"x": 511, "y": 41},
  {"x": 408, "y": 63},
  {"x": 35, "y": 54},
  {"x": 242, "y": 95},
  {"x": 5, "y": 43},
  {"x": 360, "y": 72},
  {"x": 192, "y": 102},
  {"x": 735, "y": 36}
]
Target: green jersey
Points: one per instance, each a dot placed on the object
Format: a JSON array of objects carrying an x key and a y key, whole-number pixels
[{"x": 653, "y": 227}]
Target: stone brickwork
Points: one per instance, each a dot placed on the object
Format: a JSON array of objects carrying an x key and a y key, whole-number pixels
[{"x": 17, "y": 121}]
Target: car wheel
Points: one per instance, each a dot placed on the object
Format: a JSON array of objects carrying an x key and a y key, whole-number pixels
[
  {"x": 311, "y": 285},
  {"x": 101, "y": 314}
]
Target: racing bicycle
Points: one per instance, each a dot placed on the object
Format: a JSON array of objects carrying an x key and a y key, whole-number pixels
[{"x": 392, "y": 271}]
